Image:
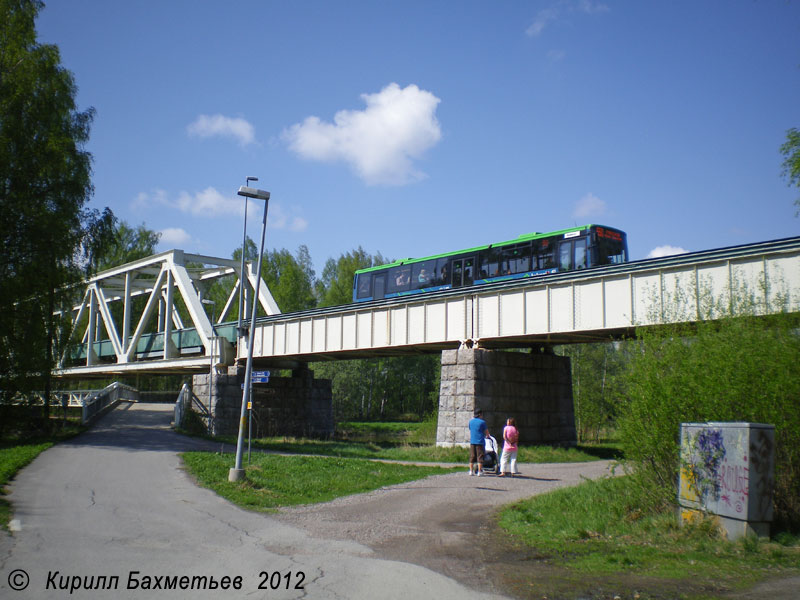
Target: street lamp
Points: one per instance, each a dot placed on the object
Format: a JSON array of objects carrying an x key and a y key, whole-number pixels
[
  {"x": 242, "y": 307},
  {"x": 237, "y": 472},
  {"x": 211, "y": 303}
]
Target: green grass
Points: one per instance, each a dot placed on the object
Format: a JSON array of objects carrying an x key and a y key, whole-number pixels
[
  {"x": 415, "y": 442},
  {"x": 418, "y": 452},
  {"x": 273, "y": 481},
  {"x": 597, "y": 529}
]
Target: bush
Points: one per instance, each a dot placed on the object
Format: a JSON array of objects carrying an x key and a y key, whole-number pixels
[{"x": 742, "y": 368}]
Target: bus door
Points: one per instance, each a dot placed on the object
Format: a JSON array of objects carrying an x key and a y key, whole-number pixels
[
  {"x": 379, "y": 289},
  {"x": 572, "y": 254},
  {"x": 463, "y": 271}
]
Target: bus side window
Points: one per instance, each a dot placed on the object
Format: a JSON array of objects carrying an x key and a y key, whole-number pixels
[
  {"x": 565, "y": 256},
  {"x": 457, "y": 272},
  {"x": 580, "y": 253},
  {"x": 422, "y": 274},
  {"x": 469, "y": 267},
  {"x": 546, "y": 260},
  {"x": 399, "y": 278},
  {"x": 489, "y": 267},
  {"x": 380, "y": 286},
  {"x": 518, "y": 258},
  {"x": 364, "y": 285},
  {"x": 442, "y": 275}
]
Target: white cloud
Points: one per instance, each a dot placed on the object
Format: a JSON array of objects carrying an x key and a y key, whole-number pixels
[
  {"x": 592, "y": 8},
  {"x": 174, "y": 237},
  {"x": 589, "y": 206},
  {"x": 549, "y": 15},
  {"x": 380, "y": 142},
  {"x": 667, "y": 250},
  {"x": 278, "y": 219},
  {"x": 206, "y": 126},
  {"x": 207, "y": 203},
  {"x": 210, "y": 203},
  {"x": 144, "y": 200},
  {"x": 542, "y": 20}
]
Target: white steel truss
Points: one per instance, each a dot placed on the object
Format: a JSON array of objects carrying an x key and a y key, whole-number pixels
[{"x": 157, "y": 278}]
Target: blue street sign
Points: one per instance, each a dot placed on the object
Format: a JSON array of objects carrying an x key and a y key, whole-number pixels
[{"x": 259, "y": 376}]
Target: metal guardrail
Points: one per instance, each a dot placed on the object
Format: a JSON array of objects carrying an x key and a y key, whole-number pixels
[
  {"x": 187, "y": 399},
  {"x": 105, "y": 399},
  {"x": 91, "y": 402}
]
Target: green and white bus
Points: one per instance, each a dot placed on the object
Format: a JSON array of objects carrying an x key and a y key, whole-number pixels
[{"x": 529, "y": 255}]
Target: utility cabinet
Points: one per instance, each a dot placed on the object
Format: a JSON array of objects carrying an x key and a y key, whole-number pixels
[{"x": 727, "y": 471}]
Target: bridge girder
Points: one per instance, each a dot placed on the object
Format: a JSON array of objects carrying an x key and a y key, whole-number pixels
[
  {"x": 572, "y": 307},
  {"x": 157, "y": 279}
]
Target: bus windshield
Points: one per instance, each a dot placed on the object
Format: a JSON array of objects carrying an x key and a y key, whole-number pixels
[{"x": 611, "y": 247}]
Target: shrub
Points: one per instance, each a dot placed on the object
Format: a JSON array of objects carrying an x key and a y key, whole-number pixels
[{"x": 742, "y": 368}]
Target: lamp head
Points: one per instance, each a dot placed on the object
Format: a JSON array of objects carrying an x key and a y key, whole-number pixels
[{"x": 249, "y": 192}]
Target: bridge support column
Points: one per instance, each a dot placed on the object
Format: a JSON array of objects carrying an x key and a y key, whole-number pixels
[
  {"x": 299, "y": 405},
  {"x": 535, "y": 389}
]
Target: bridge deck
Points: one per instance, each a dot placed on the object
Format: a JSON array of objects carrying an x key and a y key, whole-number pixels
[{"x": 568, "y": 307}]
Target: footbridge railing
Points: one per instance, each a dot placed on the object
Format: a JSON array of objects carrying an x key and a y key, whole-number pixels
[
  {"x": 105, "y": 399},
  {"x": 189, "y": 402}
]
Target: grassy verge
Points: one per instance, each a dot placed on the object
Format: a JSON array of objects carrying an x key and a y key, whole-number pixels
[
  {"x": 274, "y": 481},
  {"x": 596, "y": 531},
  {"x": 403, "y": 451}
]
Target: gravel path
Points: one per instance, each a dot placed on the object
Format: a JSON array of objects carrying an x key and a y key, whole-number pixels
[{"x": 435, "y": 522}]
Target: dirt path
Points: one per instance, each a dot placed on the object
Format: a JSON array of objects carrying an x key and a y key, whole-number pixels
[
  {"x": 441, "y": 522},
  {"x": 444, "y": 523}
]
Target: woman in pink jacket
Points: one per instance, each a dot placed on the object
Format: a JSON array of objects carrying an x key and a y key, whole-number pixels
[{"x": 510, "y": 437}]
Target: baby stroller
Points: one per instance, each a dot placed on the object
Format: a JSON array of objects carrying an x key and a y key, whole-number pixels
[{"x": 491, "y": 461}]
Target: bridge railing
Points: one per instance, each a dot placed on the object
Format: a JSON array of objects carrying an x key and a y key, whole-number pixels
[
  {"x": 185, "y": 403},
  {"x": 105, "y": 399}
]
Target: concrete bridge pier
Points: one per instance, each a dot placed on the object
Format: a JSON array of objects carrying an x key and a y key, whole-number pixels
[
  {"x": 297, "y": 406},
  {"x": 535, "y": 388}
]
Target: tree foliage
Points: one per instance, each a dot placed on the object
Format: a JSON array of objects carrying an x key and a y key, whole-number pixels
[
  {"x": 383, "y": 388},
  {"x": 127, "y": 244},
  {"x": 791, "y": 163},
  {"x": 596, "y": 370},
  {"x": 738, "y": 368},
  {"x": 290, "y": 278},
  {"x": 336, "y": 285},
  {"x": 49, "y": 235}
]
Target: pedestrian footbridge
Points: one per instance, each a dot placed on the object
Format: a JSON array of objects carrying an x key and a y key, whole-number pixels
[{"x": 573, "y": 307}]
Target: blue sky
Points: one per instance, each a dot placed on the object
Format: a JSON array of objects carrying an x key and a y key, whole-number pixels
[{"x": 413, "y": 128}]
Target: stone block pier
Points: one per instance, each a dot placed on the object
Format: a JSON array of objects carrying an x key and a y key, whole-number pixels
[{"x": 535, "y": 388}]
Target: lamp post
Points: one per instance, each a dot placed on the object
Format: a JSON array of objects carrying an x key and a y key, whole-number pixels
[
  {"x": 211, "y": 359},
  {"x": 237, "y": 472},
  {"x": 242, "y": 306}
]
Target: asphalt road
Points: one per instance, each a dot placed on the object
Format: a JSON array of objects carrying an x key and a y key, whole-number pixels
[{"x": 113, "y": 508}]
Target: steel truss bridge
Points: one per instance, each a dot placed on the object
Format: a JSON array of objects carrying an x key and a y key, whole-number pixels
[{"x": 573, "y": 307}]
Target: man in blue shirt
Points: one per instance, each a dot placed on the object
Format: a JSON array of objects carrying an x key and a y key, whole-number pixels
[{"x": 477, "y": 434}]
